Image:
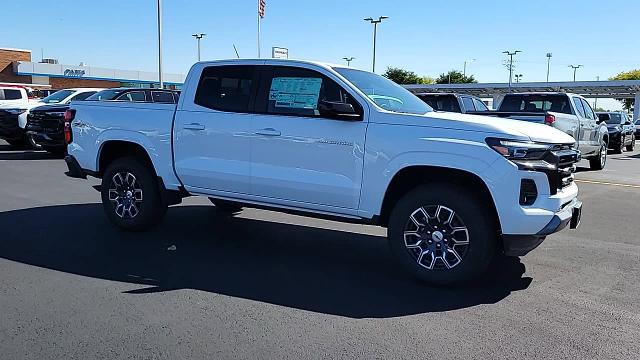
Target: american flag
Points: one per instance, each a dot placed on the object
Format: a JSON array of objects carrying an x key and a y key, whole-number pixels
[{"x": 261, "y": 5}]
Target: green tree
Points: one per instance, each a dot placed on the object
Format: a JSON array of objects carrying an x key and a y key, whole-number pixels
[
  {"x": 455, "y": 77},
  {"x": 403, "y": 77},
  {"x": 627, "y": 104}
]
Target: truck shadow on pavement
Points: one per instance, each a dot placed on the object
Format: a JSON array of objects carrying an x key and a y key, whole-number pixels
[
  {"x": 8, "y": 152},
  {"x": 315, "y": 269}
]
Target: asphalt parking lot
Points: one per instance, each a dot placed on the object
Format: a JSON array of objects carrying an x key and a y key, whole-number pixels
[{"x": 267, "y": 285}]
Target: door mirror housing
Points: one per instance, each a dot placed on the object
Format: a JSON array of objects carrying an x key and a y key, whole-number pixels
[{"x": 338, "y": 110}]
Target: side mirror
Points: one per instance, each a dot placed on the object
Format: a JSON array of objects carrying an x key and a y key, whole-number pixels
[{"x": 338, "y": 110}]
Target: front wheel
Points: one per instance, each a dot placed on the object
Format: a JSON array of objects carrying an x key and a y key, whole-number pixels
[
  {"x": 32, "y": 142},
  {"x": 597, "y": 162},
  {"x": 131, "y": 196},
  {"x": 632, "y": 146},
  {"x": 619, "y": 147},
  {"x": 442, "y": 234}
]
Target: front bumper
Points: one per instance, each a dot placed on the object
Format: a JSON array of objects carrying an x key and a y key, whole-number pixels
[
  {"x": 519, "y": 245},
  {"x": 9, "y": 127}
]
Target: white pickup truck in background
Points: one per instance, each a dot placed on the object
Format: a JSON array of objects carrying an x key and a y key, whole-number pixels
[
  {"x": 569, "y": 113},
  {"x": 326, "y": 141}
]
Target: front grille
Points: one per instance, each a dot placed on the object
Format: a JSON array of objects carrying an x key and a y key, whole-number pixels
[
  {"x": 39, "y": 121},
  {"x": 565, "y": 160},
  {"x": 8, "y": 122}
]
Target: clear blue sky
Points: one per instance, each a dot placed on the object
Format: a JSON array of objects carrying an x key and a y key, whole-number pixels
[{"x": 428, "y": 37}]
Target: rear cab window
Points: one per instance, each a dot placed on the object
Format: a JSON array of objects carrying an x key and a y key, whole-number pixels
[
  {"x": 162, "y": 97},
  {"x": 133, "y": 96},
  {"x": 536, "y": 103},
  {"x": 227, "y": 88},
  {"x": 442, "y": 102},
  {"x": 10, "y": 94}
]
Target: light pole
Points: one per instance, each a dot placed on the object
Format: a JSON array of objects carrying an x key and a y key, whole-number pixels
[
  {"x": 511, "y": 53},
  {"x": 348, "y": 60},
  {"x": 575, "y": 69},
  {"x": 464, "y": 69},
  {"x": 375, "y": 32},
  {"x": 160, "y": 44},
  {"x": 198, "y": 38},
  {"x": 595, "y": 103},
  {"x": 518, "y": 78},
  {"x": 549, "y": 56}
]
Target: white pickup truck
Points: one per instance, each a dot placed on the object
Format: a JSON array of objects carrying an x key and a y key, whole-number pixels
[{"x": 322, "y": 140}]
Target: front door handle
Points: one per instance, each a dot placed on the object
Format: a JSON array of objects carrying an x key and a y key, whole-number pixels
[
  {"x": 193, "y": 126},
  {"x": 268, "y": 132}
]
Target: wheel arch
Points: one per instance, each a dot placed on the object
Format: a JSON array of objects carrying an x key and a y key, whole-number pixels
[
  {"x": 111, "y": 150},
  {"x": 410, "y": 177}
]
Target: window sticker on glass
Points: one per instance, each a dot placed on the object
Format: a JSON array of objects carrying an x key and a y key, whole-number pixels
[{"x": 295, "y": 93}]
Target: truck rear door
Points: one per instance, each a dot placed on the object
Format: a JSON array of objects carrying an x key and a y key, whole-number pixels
[{"x": 212, "y": 131}]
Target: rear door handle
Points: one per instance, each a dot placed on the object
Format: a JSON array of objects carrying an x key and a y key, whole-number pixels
[
  {"x": 268, "y": 132},
  {"x": 193, "y": 126}
]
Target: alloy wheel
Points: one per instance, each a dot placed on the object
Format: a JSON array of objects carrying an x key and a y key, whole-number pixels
[
  {"x": 126, "y": 195},
  {"x": 603, "y": 155},
  {"x": 436, "y": 237}
]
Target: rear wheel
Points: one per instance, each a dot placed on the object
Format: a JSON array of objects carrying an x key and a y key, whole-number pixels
[
  {"x": 597, "y": 162},
  {"x": 442, "y": 234},
  {"x": 131, "y": 196},
  {"x": 619, "y": 147},
  {"x": 632, "y": 146},
  {"x": 226, "y": 207}
]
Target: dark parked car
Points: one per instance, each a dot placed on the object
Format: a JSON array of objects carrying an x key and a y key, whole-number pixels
[
  {"x": 46, "y": 123},
  {"x": 621, "y": 131},
  {"x": 451, "y": 102}
]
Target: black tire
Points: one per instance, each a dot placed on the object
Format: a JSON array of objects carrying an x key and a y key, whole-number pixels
[
  {"x": 226, "y": 207},
  {"x": 619, "y": 147},
  {"x": 150, "y": 209},
  {"x": 475, "y": 216},
  {"x": 31, "y": 142},
  {"x": 598, "y": 162},
  {"x": 632, "y": 146}
]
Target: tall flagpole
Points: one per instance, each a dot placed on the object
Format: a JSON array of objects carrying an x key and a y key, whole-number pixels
[
  {"x": 258, "y": 13},
  {"x": 160, "y": 44}
]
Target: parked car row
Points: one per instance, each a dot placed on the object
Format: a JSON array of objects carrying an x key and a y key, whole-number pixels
[
  {"x": 595, "y": 133},
  {"x": 40, "y": 124}
]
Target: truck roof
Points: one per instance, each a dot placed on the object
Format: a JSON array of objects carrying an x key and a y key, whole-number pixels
[{"x": 283, "y": 61}]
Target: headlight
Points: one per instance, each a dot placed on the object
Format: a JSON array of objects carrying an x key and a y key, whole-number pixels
[
  {"x": 518, "y": 150},
  {"x": 15, "y": 111}
]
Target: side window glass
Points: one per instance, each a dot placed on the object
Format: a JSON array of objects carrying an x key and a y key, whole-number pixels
[
  {"x": 132, "y": 96},
  {"x": 226, "y": 88},
  {"x": 297, "y": 91},
  {"x": 467, "y": 103},
  {"x": 479, "y": 105},
  {"x": 83, "y": 96},
  {"x": 588, "y": 111},
  {"x": 579, "y": 108},
  {"x": 162, "y": 97}
]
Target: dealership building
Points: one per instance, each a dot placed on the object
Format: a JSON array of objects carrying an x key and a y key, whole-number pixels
[{"x": 17, "y": 67}]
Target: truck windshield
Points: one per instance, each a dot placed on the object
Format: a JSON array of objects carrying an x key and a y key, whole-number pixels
[
  {"x": 442, "y": 102},
  {"x": 610, "y": 118},
  {"x": 384, "y": 92},
  {"x": 57, "y": 96},
  {"x": 536, "y": 103}
]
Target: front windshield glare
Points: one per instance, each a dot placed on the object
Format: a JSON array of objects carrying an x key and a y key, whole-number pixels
[
  {"x": 384, "y": 92},
  {"x": 57, "y": 97}
]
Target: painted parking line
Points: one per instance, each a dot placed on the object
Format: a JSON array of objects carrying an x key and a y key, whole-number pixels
[{"x": 607, "y": 183}]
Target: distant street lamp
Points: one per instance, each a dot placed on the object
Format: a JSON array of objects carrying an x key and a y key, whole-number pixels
[
  {"x": 348, "y": 60},
  {"x": 518, "y": 78},
  {"x": 464, "y": 70},
  {"x": 549, "y": 55},
  {"x": 198, "y": 38},
  {"x": 510, "y": 54},
  {"x": 575, "y": 69},
  {"x": 375, "y": 32}
]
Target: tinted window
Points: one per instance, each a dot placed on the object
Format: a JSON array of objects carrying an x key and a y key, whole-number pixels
[
  {"x": 467, "y": 103},
  {"x": 105, "y": 95},
  {"x": 536, "y": 103},
  {"x": 588, "y": 111},
  {"x": 610, "y": 118},
  {"x": 11, "y": 94},
  {"x": 297, "y": 91},
  {"x": 133, "y": 96},
  {"x": 579, "y": 107},
  {"x": 83, "y": 96},
  {"x": 442, "y": 102},
  {"x": 226, "y": 88},
  {"x": 480, "y": 106},
  {"x": 162, "y": 97}
]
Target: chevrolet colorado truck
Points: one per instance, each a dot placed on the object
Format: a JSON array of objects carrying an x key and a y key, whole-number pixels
[
  {"x": 309, "y": 138},
  {"x": 569, "y": 113}
]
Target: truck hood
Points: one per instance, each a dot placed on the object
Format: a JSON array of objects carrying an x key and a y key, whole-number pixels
[{"x": 508, "y": 128}]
